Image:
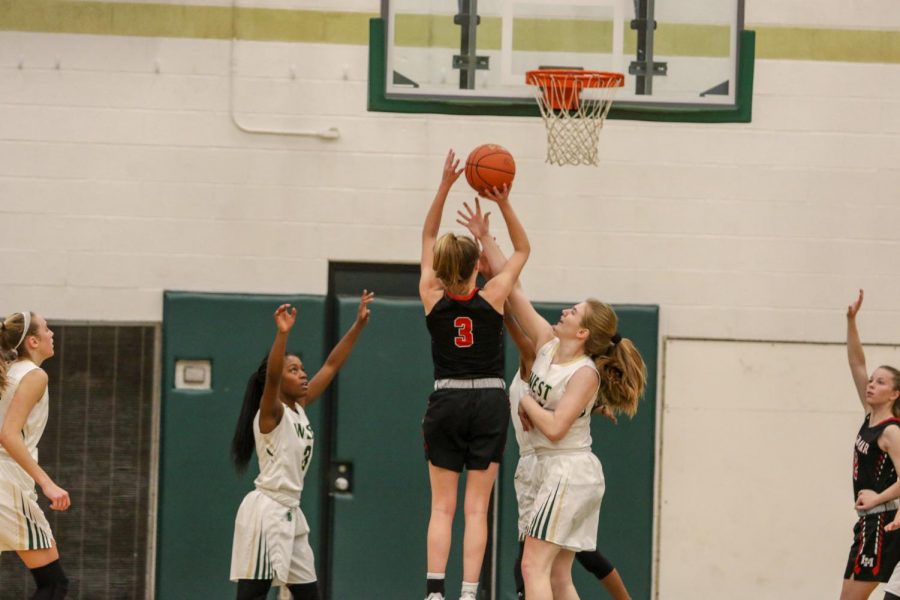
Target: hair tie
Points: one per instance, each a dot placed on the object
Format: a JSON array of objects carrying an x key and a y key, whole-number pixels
[
  {"x": 26, "y": 317},
  {"x": 616, "y": 338}
]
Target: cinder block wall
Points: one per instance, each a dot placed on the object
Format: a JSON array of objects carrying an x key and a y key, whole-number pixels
[{"x": 124, "y": 172}]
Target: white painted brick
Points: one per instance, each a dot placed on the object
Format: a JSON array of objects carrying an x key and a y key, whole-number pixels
[{"x": 112, "y": 54}]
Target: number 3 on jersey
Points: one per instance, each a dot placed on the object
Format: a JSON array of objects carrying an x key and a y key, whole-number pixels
[{"x": 463, "y": 337}]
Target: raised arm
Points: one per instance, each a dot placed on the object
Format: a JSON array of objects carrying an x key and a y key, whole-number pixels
[
  {"x": 532, "y": 324},
  {"x": 27, "y": 395},
  {"x": 855, "y": 355},
  {"x": 555, "y": 424},
  {"x": 525, "y": 346},
  {"x": 497, "y": 290},
  {"x": 429, "y": 284},
  {"x": 339, "y": 354},
  {"x": 270, "y": 407}
]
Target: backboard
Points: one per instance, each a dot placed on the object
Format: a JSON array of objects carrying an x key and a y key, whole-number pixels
[{"x": 471, "y": 56}]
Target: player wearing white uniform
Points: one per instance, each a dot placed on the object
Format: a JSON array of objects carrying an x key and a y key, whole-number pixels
[
  {"x": 271, "y": 534},
  {"x": 587, "y": 362},
  {"x": 26, "y": 339},
  {"x": 568, "y": 480},
  {"x": 593, "y": 561}
]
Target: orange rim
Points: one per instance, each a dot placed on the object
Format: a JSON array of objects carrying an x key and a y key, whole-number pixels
[
  {"x": 574, "y": 78},
  {"x": 562, "y": 87}
]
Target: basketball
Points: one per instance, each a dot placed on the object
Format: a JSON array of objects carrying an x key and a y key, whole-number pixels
[{"x": 488, "y": 166}]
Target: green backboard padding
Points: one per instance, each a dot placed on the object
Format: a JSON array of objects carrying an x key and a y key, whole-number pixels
[
  {"x": 627, "y": 452},
  {"x": 199, "y": 491}
]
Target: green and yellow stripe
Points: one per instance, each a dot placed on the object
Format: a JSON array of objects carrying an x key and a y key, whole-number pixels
[{"x": 148, "y": 19}]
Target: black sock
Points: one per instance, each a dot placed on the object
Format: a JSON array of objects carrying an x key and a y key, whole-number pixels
[
  {"x": 305, "y": 591},
  {"x": 890, "y": 596},
  {"x": 51, "y": 581},
  {"x": 434, "y": 586},
  {"x": 253, "y": 589}
]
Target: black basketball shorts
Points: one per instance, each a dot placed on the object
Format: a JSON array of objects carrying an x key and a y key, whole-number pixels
[
  {"x": 465, "y": 428},
  {"x": 874, "y": 552}
]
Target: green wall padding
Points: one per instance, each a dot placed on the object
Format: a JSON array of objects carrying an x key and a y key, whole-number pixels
[
  {"x": 199, "y": 491},
  {"x": 378, "y": 535}
]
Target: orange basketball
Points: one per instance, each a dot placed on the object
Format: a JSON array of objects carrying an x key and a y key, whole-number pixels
[{"x": 488, "y": 166}]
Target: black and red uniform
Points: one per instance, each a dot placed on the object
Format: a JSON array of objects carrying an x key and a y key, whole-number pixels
[
  {"x": 874, "y": 552},
  {"x": 465, "y": 423}
]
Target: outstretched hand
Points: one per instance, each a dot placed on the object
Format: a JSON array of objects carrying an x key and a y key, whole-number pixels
[
  {"x": 285, "y": 317},
  {"x": 451, "y": 171},
  {"x": 476, "y": 222},
  {"x": 362, "y": 314},
  {"x": 854, "y": 308},
  {"x": 498, "y": 195}
]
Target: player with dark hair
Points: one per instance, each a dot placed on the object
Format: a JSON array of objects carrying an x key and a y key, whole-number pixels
[{"x": 271, "y": 535}]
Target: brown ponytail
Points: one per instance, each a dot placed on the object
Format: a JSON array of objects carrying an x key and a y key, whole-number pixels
[
  {"x": 455, "y": 258},
  {"x": 10, "y": 334},
  {"x": 623, "y": 374}
]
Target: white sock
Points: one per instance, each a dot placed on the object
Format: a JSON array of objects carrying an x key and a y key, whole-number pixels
[
  {"x": 435, "y": 575},
  {"x": 469, "y": 587}
]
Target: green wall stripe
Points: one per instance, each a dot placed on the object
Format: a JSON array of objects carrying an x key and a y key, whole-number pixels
[
  {"x": 200, "y": 22},
  {"x": 336, "y": 27}
]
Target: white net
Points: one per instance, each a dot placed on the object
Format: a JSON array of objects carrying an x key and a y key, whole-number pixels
[{"x": 574, "y": 106}]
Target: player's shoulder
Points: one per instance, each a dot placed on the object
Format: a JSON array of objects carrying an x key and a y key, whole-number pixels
[{"x": 35, "y": 375}]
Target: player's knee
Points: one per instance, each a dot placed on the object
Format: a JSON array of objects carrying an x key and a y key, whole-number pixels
[
  {"x": 531, "y": 568},
  {"x": 444, "y": 509},
  {"x": 595, "y": 563}
]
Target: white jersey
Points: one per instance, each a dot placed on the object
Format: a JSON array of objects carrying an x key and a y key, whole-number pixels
[
  {"x": 284, "y": 456},
  {"x": 547, "y": 385},
  {"x": 518, "y": 387},
  {"x": 10, "y": 471}
]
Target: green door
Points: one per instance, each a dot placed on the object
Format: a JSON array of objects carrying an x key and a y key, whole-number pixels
[
  {"x": 380, "y": 529},
  {"x": 199, "y": 491}
]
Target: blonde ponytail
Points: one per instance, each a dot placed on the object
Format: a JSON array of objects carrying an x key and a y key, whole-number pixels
[
  {"x": 10, "y": 335},
  {"x": 623, "y": 377},
  {"x": 455, "y": 258}
]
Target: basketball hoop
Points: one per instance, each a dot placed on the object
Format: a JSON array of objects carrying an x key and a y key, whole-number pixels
[{"x": 573, "y": 122}]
